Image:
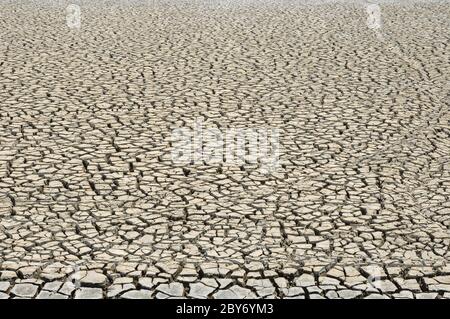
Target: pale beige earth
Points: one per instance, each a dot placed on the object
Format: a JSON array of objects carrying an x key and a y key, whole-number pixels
[{"x": 93, "y": 206}]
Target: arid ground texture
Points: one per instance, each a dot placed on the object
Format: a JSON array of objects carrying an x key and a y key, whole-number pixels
[{"x": 92, "y": 204}]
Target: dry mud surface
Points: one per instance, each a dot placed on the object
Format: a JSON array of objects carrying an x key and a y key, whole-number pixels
[{"x": 93, "y": 206}]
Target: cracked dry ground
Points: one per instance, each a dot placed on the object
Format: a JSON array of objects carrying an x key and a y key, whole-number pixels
[{"x": 92, "y": 205}]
